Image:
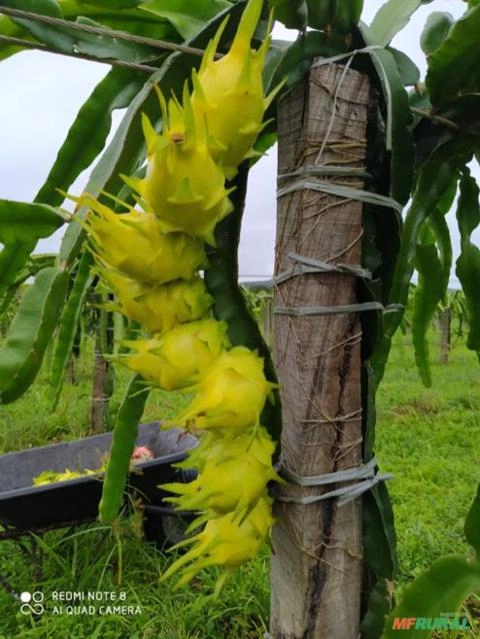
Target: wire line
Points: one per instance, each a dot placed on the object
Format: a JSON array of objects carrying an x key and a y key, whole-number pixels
[
  {"x": 17, "y": 42},
  {"x": 101, "y": 31}
]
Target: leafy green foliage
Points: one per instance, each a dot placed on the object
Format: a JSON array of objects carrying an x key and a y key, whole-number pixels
[
  {"x": 391, "y": 18},
  {"x": 443, "y": 587},
  {"x": 33, "y": 265},
  {"x": 433, "y": 260},
  {"x": 379, "y": 543},
  {"x": 131, "y": 20},
  {"x": 435, "y": 31},
  {"x": 27, "y": 222},
  {"x": 292, "y": 13},
  {"x": 399, "y": 141},
  {"x": 427, "y": 296},
  {"x": 468, "y": 263},
  {"x": 289, "y": 64},
  {"x": 124, "y": 436},
  {"x": 21, "y": 225},
  {"x": 45, "y": 7},
  {"x": 22, "y": 352},
  {"x": 87, "y": 135},
  {"x": 68, "y": 326},
  {"x": 329, "y": 16},
  {"x": 439, "y": 159},
  {"x": 255, "y": 300},
  {"x": 454, "y": 66},
  {"x": 15, "y": 29},
  {"x": 10, "y": 30},
  {"x": 472, "y": 524},
  {"x": 115, "y": 4},
  {"x": 69, "y": 40},
  {"x": 433, "y": 191},
  {"x": 453, "y": 70},
  {"x": 456, "y": 303},
  {"x": 187, "y": 17},
  {"x": 379, "y": 606},
  {"x": 408, "y": 70},
  {"x": 333, "y": 16}
]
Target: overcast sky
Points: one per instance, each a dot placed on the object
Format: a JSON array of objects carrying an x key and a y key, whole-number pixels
[{"x": 41, "y": 94}]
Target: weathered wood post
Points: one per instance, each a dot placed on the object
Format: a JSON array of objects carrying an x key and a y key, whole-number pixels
[
  {"x": 102, "y": 380},
  {"x": 316, "y": 568}
]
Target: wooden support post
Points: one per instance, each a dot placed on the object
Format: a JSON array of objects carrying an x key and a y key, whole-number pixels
[
  {"x": 102, "y": 378},
  {"x": 316, "y": 567}
]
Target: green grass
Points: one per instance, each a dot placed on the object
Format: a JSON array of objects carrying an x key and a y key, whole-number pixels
[
  {"x": 90, "y": 562},
  {"x": 428, "y": 438},
  {"x": 30, "y": 422}
]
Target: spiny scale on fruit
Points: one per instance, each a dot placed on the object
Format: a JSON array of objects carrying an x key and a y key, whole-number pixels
[
  {"x": 175, "y": 359},
  {"x": 158, "y": 308},
  {"x": 230, "y": 396},
  {"x": 232, "y": 479},
  {"x": 134, "y": 244},
  {"x": 217, "y": 449},
  {"x": 224, "y": 542}
]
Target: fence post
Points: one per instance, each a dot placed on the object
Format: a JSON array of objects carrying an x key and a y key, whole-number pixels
[{"x": 316, "y": 568}]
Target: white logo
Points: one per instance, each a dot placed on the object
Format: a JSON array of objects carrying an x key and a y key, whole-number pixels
[{"x": 32, "y": 603}]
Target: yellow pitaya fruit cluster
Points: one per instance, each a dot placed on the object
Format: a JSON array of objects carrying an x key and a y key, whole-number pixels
[
  {"x": 233, "y": 463},
  {"x": 151, "y": 256},
  {"x": 225, "y": 542},
  {"x": 211, "y": 133}
]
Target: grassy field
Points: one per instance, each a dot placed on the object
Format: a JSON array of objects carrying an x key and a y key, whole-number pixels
[{"x": 428, "y": 438}]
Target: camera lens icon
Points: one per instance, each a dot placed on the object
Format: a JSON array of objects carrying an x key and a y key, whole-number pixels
[{"x": 32, "y": 602}]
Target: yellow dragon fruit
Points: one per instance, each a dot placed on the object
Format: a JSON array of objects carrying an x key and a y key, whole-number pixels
[
  {"x": 51, "y": 476},
  {"x": 224, "y": 542},
  {"x": 230, "y": 395},
  {"x": 212, "y": 448},
  {"x": 232, "y": 479},
  {"x": 229, "y": 95},
  {"x": 183, "y": 185},
  {"x": 134, "y": 244},
  {"x": 158, "y": 308},
  {"x": 175, "y": 359}
]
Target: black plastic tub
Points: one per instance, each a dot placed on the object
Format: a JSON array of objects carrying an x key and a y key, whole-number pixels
[{"x": 24, "y": 506}]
